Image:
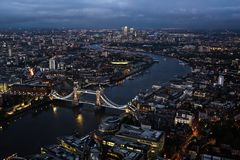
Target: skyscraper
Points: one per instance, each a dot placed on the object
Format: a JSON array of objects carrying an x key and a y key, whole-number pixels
[
  {"x": 131, "y": 30},
  {"x": 52, "y": 63},
  {"x": 9, "y": 51},
  {"x": 125, "y": 31}
]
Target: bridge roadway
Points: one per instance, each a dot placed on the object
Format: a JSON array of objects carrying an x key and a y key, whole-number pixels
[
  {"x": 102, "y": 105},
  {"x": 107, "y": 102}
]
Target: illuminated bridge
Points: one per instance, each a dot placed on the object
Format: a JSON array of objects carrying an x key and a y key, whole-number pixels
[
  {"x": 101, "y": 100},
  {"x": 76, "y": 96}
]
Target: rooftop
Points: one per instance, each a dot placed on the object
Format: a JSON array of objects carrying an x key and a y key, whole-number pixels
[{"x": 139, "y": 133}]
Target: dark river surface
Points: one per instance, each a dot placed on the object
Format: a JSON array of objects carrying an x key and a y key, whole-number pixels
[{"x": 34, "y": 129}]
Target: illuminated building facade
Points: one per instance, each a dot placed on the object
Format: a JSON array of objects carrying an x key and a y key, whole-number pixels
[
  {"x": 155, "y": 139},
  {"x": 184, "y": 117},
  {"x": 134, "y": 139},
  {"x": 125, "y": 31},
  {"x": 111, "y": 141},
  {"x": 3, "y": 87},
  {"x": 35, "y": 90}
]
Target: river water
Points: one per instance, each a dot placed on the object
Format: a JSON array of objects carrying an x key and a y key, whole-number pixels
[{"x": 38, "y": 128}]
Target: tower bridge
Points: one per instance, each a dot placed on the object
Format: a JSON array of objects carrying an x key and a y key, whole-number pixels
[
  {"x": 101, "y": 100},
  {"x": 76, "y": 96}
]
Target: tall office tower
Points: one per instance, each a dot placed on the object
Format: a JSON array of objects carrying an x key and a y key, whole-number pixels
[
  {"x": 135, "y": 33},
  {"x": 9, "y": 51},
  {"x": 125, "y": 30},
  {"x": 131, "y": 30},
  {"x": 52, "y": 63},
  {"x": 221, "y": 80}
]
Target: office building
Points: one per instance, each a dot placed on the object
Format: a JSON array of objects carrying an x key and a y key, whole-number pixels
[
  {"x": 125, "y": 31},
  {"x": 155, "y": 139},
  {"x": 184, "y": 117},
  {"x": 221, "y": 80},
  {"x": 52, "y": 63},
  {"x": 131, "y": 30}
]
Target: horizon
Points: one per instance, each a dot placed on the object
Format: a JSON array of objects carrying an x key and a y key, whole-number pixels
[
  {"x": 119, "y": 28},
  {"x": 185, "y": 14}
]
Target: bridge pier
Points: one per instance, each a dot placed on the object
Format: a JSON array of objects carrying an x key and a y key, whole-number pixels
[
  {"x": 76, "y": 96},
  {"x": 98, "y": 99}
]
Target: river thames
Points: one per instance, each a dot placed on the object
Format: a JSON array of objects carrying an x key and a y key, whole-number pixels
[{"x": 34, "y": 129}]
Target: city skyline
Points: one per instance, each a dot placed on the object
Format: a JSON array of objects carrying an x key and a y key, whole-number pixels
[
  {"x": 120, "y": 80},
  {"x": 188, "y": 14}
]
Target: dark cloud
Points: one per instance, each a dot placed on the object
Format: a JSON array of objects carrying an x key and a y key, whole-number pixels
[{"x": 115, "y": 13}]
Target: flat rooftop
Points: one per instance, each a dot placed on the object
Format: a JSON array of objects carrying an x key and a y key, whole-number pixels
[
  {"x": 74, "y": 141},
  {"x": 60, "y": 152},
  {"x": 125, "y": 154},
  {"x": 139, "y": 133}
]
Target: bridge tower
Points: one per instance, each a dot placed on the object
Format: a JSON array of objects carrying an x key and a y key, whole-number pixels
[
  {"x": 76, "y": 88},
  {"x": 98, "y": 98}
]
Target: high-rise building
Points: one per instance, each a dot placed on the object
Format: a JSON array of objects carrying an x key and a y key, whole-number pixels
[
  {"x": 9, "y": 51},
  {"x": 125, "y": 30},
  {"x": 52, "y": 63},
  {"x": 221, "y": 80},
  {"x": 135, "y": 34},
  {"x": 131, "y": 30}
]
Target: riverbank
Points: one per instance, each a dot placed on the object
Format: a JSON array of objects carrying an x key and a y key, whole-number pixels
[
  {"x": 34, "y": 104},
  {"x": 141, "y": 51},
  {"x": 122, "y": 77},
  {"x": 64, "y": 120}
]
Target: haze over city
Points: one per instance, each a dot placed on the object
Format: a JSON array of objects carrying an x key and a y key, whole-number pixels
[{"x": 189, "y": 14}]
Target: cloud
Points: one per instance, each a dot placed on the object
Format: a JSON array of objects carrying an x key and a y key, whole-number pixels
[{"x": 115, "y": 13}]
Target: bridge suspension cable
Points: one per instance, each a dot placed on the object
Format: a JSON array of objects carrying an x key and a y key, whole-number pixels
[
  {"x": 57, "y": 96},
  {"x": 113, "y": 105},
  {"x": 104, "y": 98}
]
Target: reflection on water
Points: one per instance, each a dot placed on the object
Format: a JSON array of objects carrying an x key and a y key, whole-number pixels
[
  {"x": 79, "y": 119},
  {"x": 54, "y": 109},
  {"x": 40, "y": 127},
  {"x": 27, "y": 134},
  {"x": 159, "y": 73}
]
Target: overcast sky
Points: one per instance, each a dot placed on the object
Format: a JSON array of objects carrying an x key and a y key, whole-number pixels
[{"x": 212, "y": 14}]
